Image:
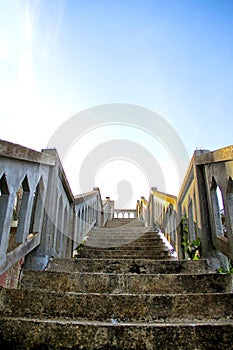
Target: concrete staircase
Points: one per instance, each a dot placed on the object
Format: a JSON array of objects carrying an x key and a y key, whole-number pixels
[{"x": 125, "y": 290}]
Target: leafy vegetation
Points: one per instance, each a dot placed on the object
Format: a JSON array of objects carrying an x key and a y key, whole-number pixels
[
  {"x": 222, "y": 271},
  {"x": 79, "y": 248},
  {"x": 191, "y": 248}
]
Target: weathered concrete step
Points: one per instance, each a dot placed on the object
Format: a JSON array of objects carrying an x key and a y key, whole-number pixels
[
  {"x": 148, "y": 237},
  {"x": 144, "y": 241},
  {"x": 144, "y": 249},
  {"x": 118, "y": 307},
  {"x": 135, "y": 240},
  {"x": 124, "y": 238},
  {"x": 34, "y": 334},
  {"x": 127, "y": 283},
  {"x": 92, "y": 252},
  {"x": 124, "y": 222},
  {"x": 124, "y": 235},
  {"x": 123, "y": 242},
  {"x": 161, "y": 254},
  {"x": 129, "y": 266}
]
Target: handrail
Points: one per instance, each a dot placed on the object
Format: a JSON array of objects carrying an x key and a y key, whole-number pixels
[{"x": 14, "y": 151}]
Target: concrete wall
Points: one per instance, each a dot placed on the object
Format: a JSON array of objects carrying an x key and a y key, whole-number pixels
[{"x": 39, "y": 216}]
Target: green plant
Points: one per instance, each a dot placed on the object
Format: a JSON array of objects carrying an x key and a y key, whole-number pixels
[
  {"x": 221, "y": 270},
  {"x": 79, "y": 247},
  {"x": 192, "y": 248}
]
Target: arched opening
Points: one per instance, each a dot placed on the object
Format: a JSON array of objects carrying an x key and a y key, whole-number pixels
[
  {"x": 218, "y": 208},
  {"x": 81, "y": 222},
  {"x": 192, "y": 234},
  {"x": 229, "y": 191},
  {"x": 19, "y": 215},
  {"x": 54, "y": 224},
  {"x": 59, "y": 226},
  {"x": 37, "y": 208},
  {"x": 4, "y": 198},
  {"x": 229, "y": 198},
  {"x": 65, "y": 233},
  {"x": 184, "y": 231},
  {"x": 173, "y": 227}
]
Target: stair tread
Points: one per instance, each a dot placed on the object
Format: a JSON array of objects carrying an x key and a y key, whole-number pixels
[{"x": 104, "y": 323}]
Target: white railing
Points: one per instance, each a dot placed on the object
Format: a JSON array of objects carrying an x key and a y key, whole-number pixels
[{"x": 125, "y": 213}]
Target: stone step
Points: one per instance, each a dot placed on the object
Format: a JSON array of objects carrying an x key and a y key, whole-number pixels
[
  {"x": 123, "y": 242},
  {"x": 139, "y": 241},
  {"x": 124, "y": 222},
  {"x": 126, "y": 283},
  {"x": 118, "y": 307},
  {"x": 34, "y": 334},
  {"x": 128, "y": 247},
  {"x": 130, "y": 254},
  {"x": 119, "y": 251},
  {"x": 126, "y": 229},
  {"x": 132, "y": 239},
  {"x": 121, "y": 266},
  {"x": 124, "y": 235},
  {"x": 144, "y": 241}
]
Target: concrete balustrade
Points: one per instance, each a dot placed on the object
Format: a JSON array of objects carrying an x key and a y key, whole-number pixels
[
  {"x": 26, "y": 171},
  {"x": 39, "y": 216},
  {"x": 203, "y": 208},
  {"x": 90, "y": 211},
  {"x": 125, "y": 214}
]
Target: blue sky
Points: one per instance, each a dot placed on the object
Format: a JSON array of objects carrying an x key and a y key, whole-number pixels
[{"x": 59, "y": 57}]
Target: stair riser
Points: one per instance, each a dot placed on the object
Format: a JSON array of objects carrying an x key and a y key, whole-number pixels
[
  {"x": 144, "y": 249},
  {"x": 123, "y": 244},
  {"x": 129, "y": 245},
  {"x": 126, "y": 235},
  {"x": 129, "y": 265},
  {"x": 132, "y": 283},
  {"x": 123, "y": 231},
  {"x": 123, "y": 252},
  {"x": 123, "y": 308},
  {"x": 22, "y": 334},
  {"x": 145, "y": 241},
  {"x": 124, "y": 255}
]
